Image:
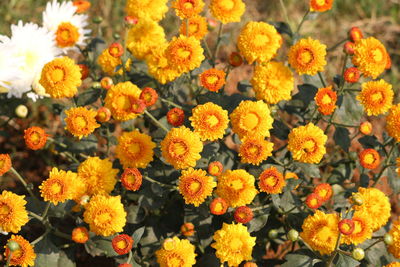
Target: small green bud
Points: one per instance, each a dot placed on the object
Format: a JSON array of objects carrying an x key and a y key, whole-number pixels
[
  {"x": 13, "y": 246},
  {"x": 358, "y": 254},
  {"x": 388, "y": 239},
  {"x": 97, "y": 20},
  {"x": 272, "y": 234},
  {"x": 116, "y": 36},
  {"x": 293, "y": 235},
  {"x": 21, "y": 111},
  {"x": 357, "y": 199},
  {"x": 96, "y": 85}
]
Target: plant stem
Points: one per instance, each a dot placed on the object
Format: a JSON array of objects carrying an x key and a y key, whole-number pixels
[
  {"x": 155, "y": 121},
  {"x": 285, "y": 12},
  {"x": 332, "y": 257},
  {"x": 301, "y": 22},
  {"x": 169, "y": 102},
  {"x": 22, "y": 181},
  {"x": 9, "y": 259},
  {"x": 373, "y": 244},
  {"x": 46, "y": 210},
  {"x": 322, "y": 79},
  {"x": 386, "y": 165},
  {"x": 209, "y": 54},
  {"x": 217, "y": 44},
  {"x": 40, "y": 237},
  {"x": 34, "y": 215},
  {"x": 336, "y": 45},
  {"x": 129, "y": 257},
  {"x": 260, "y": 208},
  {"x": 187, "y": 27},
  {"x": 159, "y": 183}
]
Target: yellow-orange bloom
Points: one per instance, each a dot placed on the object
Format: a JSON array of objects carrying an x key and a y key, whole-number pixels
[
  {"x": 271, "y": 181},
  {"x": 362, "y": 230},
  {"x": 81, "y": 121},
  {"x": 376, "y": 97},
  {"x": 144, "y": 9},
  {"x": 176, "y": 252},
  {"x": 255, "y": 149},
  {"x": 394, "y": 248},
  {"x": 393, "y": 122},
  {"x": 227, "y": 11},
  {"x": 24, "y": 256},
  {"x": 108, "y": 63},
  {"x": 80, "y": 235},
  {"x": 5, "y": 163},
  {"x": 212, "y": 79},
  {"x": 195, "y": 186},
  {"x": 197, "y": 27},
  {"x": 187, "y": 8},
  {"x": 159, "y": 67},
  {"x": 326, "y": 100},
  {"x": 13, "y": 214},
  {"x": 320, "y": 5},
  {"x": 131, "y": 179},
  {"x": 369, "y": 158},
  {"x": 35, "y": 137},
  {"x": 366, "y": 128}
]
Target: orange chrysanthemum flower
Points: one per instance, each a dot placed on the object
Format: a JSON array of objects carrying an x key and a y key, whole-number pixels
[
  {"x": 346, "y": 226},
  {"x": 392, "y": 123},
  {"x": 116, "y": 50},
  {"x": 106, "y": 82},
  {"x": 352, "y": 75},
  {"x": 176, "y": 252},
  {"x": 369, "y": 158},
  {"x": 176, "y": 117},
  {"x": 355, "y": 34},
  {"x": 376, "y": 97},
  {"x": 324, "y": 191},
  {"x": 212, "y": 79},
  {"x": 197, "y": 27},
  {"x": 227, "y": 11},
  {"x": 35, "y": 137},
  {"x": 313, "y": 201},
  {"x": 366, "y": 128},
  {"x": 81, "y": 5},
  {"x": 362, "y": 230},
  {"x": 218, "y": 206},
  {"x": 138, "y": 106},
  {"x": 5, "y": 163},
  {"x": 195, "y": 186},
  {"x": 394, "y": 248},
  {"x": 24, "y": 256},
  {"x": 326, "y": 100},
  {"x": 349, "y": 47},
  {"x": 103, "y": 114},
  {"x": 255, "y": 149},
  {"x": 215, "y": 168},
  {"x": 187, "y": 229},
  {"x": 187, "y": 8},
  {"x": 235, "y": 59},
  {"x": 271, "y": 181},
  {"x": 149, "y": 96},
  {"x": 122, "y": 244},
  {"x": 243, "y": 214},
  {"x": 81, "y": 121},
  {"x": 307, "y": 56},
  {"x": 13, "y": 214},
  {"x": 80, "y": 235},
  {"x": 131, "y": 179},
  {"x": 320, "y": 5}
]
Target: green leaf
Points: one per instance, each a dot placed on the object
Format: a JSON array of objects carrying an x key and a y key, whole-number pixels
[
  {"x": 306, "y": 93},
  {"x": 259, "y": 221},
  {"x": 310, "y": 170},
  {"x": 47, "y": 254},
  {"x": 136, "y": 214},
  {"x": 302, "y": 258},
  {"x": 342, "y": 138},
  {"x": 350, "y": 112},
  {"x": 394, "y": 179},
  {"x": 88, "y": 97},
  {"x": 346, "y": 261},
  {"x": 99, "y": 245},
  {"x": 280, "y": 130},
  {"x": 369, "y": 142},
  {"x": 137, "y": 235},
  {"x": 282, "y": 27}
]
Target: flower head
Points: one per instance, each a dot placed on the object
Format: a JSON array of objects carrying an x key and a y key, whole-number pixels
[
  {"x": 197, "y": 27},
  {"x": 369, "y": 158},
  {"x": 394, "y": 248},
  {"x": 271, "y": 181},
  {"x": 212, "y": 79},
  {"x": 122, "y": 244},
  {"x": 105, "y": 215},
  {"x": 235, "y": 59},
  {"x": 103, "y": 114},
  {"x": 108, "y": 63},
  {"x": 393, "y": 122},
  {"x": 149, "y": 96},
  {"x": 176, "y": 117},
  {"x": 159, "y": 67},
  {"x": 186, "y": 9},
  {"x": 376, "y": 97},
  {"x": 326, "y": 100},
  {"x": 184, "y": 53},
  {"x": 362, "y": 230},
  {"x": 176, "y": 252},
  {"x": 351, "y": 75},
  {"x": 24, "y": 256},
  {"x": 324, "y": 191},
  {"x": 320, "y": 5},
  {"x": 195, "y": 186},
  {"x": 35, "y": 137},
  {"x": 187, "y": 229},
  {"x": 307, "y": 56},
  {"x": 135, "y": 149},
  {"x": 346, "y": 226},
  {"x": 227, "y": 11},
  {"x": 215, "y": 168},
  {"x": 243, "y": 214},
  {"x": 307, "y": 143},
  {"x": 12, "y": 211},
  {"x": 80, "y": 235},
  {"x": 314, "y": 201},
  {"x": 153, "y": 10},
  {"x": 81, "y": 5},
  {"x": 356, "y": 34},
  {"x": 255, "y": 149},
  {"x": 131, "y": 179},
  {"x": 5, "y": 163},
  {"x": 366, "y": 128},
  {"x": 81, "y": 121},
  {"x": 218, "y": 206}
]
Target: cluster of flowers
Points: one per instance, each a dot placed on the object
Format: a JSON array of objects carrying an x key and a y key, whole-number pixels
[{"x": 40, "y": 65}]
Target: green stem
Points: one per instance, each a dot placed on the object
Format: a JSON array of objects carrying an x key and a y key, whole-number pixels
[
  {"x": 129, "y": 257},
  {"x": 386, "y": 165},
  {"x": 209, "y": 54},
  {"x": 301, "y": 22},
  {"x": 218, "y": 43},
  {"x": 373, "y": 244},
  {"x": 22, "y": 182},
  {"x": 155, "y": 121},
  {"x": 40, "y": 237},
  {"x": 61, "y": 234},
  {"x": 34, "y": 215},
  {"x": 332, "y": 257},
  {"x": 336, "y": 45},
  {"x": 9, "y": 259},
  {"x": 260, "y": 208},
  {"x": 46, "y": 210},
  {"x": 170, "y": 103},
  {"x": 159, "y": 183},
  {"x": 187, "y": 27},
  {"x": 285, "y": 12},
  {"x": 322, "y": 79}
]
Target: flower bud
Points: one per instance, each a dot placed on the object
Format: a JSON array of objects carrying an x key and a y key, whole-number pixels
[
  {"x": 272, "y": 234},
  {"x": 131, "y": 20},
  {"x": 103, "y": 114},
  {"x": 355, "y": 34},
  {"x": 106, "y": 83},
  {"x": 96, "y": 85},
  {"x": 358, "y": 254},
  {"x": 97, "y": 20},
  {"x": 366, "y": 128},
  {"x": 357, "y": 199},
  {"x": 116, "y": 36},
  {"x": 348, "y": 48},
  {"x": 388, "y": 239},
  {"x": 187, "y": 229},
  {"x": 13, "y": 246},
  {"x": 293, "y": 235},
  {"x": 346, "y": 226},
  {"x": 21, "y": 111}
]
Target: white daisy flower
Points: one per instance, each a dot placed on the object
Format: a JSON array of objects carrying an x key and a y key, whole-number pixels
[
  {"x": 67, "y": 26},
  {"x": 9, "y": 67}
]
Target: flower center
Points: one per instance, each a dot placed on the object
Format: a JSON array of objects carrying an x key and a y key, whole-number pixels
[
  {"x": 215, "y": 169},
  {"x": 237, "y": 184},
  {"x": 193, "y": 28},
  {"x": 321, "y": 2},
  {"x": 175, "y": 261},
  {"x": 194, "y": 187},
  {"x": 121, "y": 244},
  {"x": 377, "y": 97},
  {"x": 103, "y": 218},
  {"x": 81, "y": 122},
  {"x": 261, "y": 40},
  {"x": 4, "y": 209},
  {"x": 322, "y": 193},
  {"x": 227, "y": 4},
  {"x": 323, "y": 232},
  {"x": 188, "y": 5},
  {"x": 35, "y": 138},
  {"x": 236, "y": 244},
  {"x": 250, "y": 121},
  {"x": 2, "y": 163},
  {"x": 57, "y": 75},
  {"x": 123, "y": 102},
  {"x": 67, "y": 35},
  {"x": 309, "y": 145},
  {"x": 369, "y": 159},
  {"x": 306, "y": 56},
  {"x": 253, "y": 150},
  {"x": 134, "y": 148},
  {"x": 183, "y": 53},
  {"x": 346, "y": 227},
  {"x": 314, "y": 202},
  {"x": 178, "y": 148},
  {"x": 212, "y": 79},
  {"x": 218, "y": 207},
  {"x": 56, "y": 188},
  {"x": 212, "y": 120},
  {"x": 131, "y": 179},
  {"x": 271, "y": 181},
  {"x": 326, "y": 99},
  {"x": 377, "y": 55}
]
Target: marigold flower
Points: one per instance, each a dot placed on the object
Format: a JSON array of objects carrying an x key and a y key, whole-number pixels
[
  {"x": 366, "y": 128},
  {"x": 349, "y": 47},
  {"x": 105, "y": 215},
  {"x": 135, "y": 149},
  {"x": 370, "y": 56},
  {"x": 235, "y": 59},
  {"x": 215, "y": 168},
  {"x": 35, "y": 137},
  {"x": 255, "y": 149},
  {"x": 376, "y": 97},
  {"x": 109, "y": 63},
  {"x": 233, "y": 244},
  {"x": 103, "y": 114},
  {"x": 218, "y": 206},
  {"x": 98, "y": 175},
  {"x": 176, "y": 117},
  {"x": 393, "y": 122},
  {"x": 394, "y": 248},
  {"x": 212, "y": 79},
  {"x": 307, "y": 143},
  {"x": 243, "y": 214},
  {"x": 320, "y": 5},
  {"x": 197, "y": 27},
  {"x": 362, "y": 230},
  {"x": 13, "y": 212},
  {"x": 176, "y": 252},
  {"x": 324, "y": 191},
  {"x": 181, "y": 147},
  {"x": 320, "y": 231},
  {"x": 122, "y": 244},
  {"x": 131, "y": 179},
  {"x": 106, "y": 83},
  {"x": 313, "y": 201},
  {"x": 376, "y": 207},
  {"x": 187, "y": 229},
  {"x": 119, "y": 100},
  {"x": 81, "y": 6},
  {"x": 154, "y": 10},
  {"x": 355, "y": 34},
  {"x": 195, "y": 186},
  {"x": 5, "y": 163},
  {"x": 352, "y": 75},
  {"x": 24, "y": 256},
  {"x": 184, "y": 53},
  {"x": 273, "y": 82},
  {"x": 369, "y": 158},
  {"x": 81, "y": 121},
  {"x": 346, "y": 226},
  {"x": 149, "y": 96},
  {"x": 227, "y": 11},
  {"x": 186, "y": 9},
  {"x": 258, "y": 41},
  {"x": 61, "y": 77},
  {"x": 251, "y": 117},
  {"x": 236, "y": 187},
  {"x": 209, "y": 121},
  {"x": 80, "y": 235},
  {"x": 307, "y": 56},
  {"x": 84, "y": 71}
]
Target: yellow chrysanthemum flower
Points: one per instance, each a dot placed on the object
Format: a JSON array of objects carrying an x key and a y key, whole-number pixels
[
  {"x": 109, "y": 63},
  {"x": 370, "y": 56},
  {"x": 233, "y": 243},
  {"x": 61, "y": 77},
  {"x": 198, "y": 27},
  {"x": 376, "y": 97},
  {"x": 187, "y": 8},
  {"x": 146, "y": 9},
  {"x": 61, "y": 186},
  {"x": 393, "y": 122},
  {"x": 159, "y": 67},
  {"x": 105, "y": 215},
  {"x": 393, "y": 264},
  {"x": 227, "y": 11},
  {"x": 98, "y": 175},
  {"x": 320, "y": 231},
  {"x": 119, "y": 100},
  {"x": 307, "y": 56},
  {"x": 273, "y": 82},
  {"x": 251, "y": 117},
  {"x": 376, "y": 207},
  {"x": 271, "y": 181},
  {"x": 394, "y": 248},
  {"x": 81, "y": 121},
  {"x": 212, "y": 79},
  {"x": 195, "y": 186},
  {"x": 320, "y": 5},
  {"x": 176, "y": 252},
  {"x": 307, "y": 143},
  {"x": 135, "y": 149},
  {"x": 143, "y": 37},
  {"x": 184, "y": 53},
  {"x": 255, "y": 149},
  {"x": 209, "y": 121},
  {"x": 24, "y": 256},
  {"x": 259, "y": 41},
  {"x": 181, "y": 147},
  {"x": 326, "y": 100},
  {"x": 362, "y": 230},
  {"x": 13, "y": 214},
  {"x": 236, "y": 187}
]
